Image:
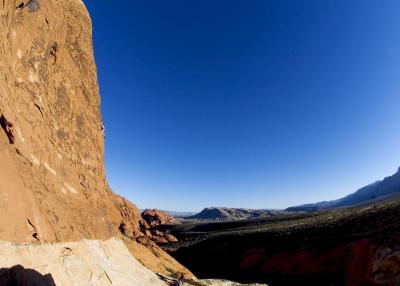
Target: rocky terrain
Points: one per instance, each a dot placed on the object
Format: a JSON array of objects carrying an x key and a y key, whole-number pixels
[
  {"x": 350, "y": 241},
  {"x": 351, "y": 247},
  {"x": 152, "y": 219}
]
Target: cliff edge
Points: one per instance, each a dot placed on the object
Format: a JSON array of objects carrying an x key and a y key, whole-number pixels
[{"x": 52, "y": 179}]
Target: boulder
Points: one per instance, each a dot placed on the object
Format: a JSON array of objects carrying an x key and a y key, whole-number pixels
[{"x": 154, "y": 217}]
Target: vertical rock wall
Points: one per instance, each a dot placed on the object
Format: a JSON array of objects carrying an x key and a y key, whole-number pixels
[{"x": 52, "y": 179}]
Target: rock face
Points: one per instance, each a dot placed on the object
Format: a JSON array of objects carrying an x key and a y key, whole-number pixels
[
  {"x": 151, "y": 220},
  {"x": 154, "y": 258},
  {"x": 52, "y": 179},
  {"x": 156, "y": 217}
]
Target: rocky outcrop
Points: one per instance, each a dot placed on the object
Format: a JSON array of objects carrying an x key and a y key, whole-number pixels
[
  {"x": 153, "y": 257},
  {"x": 151, "y": 220},
  {"x": 130, "y": 217},
  {"x": 52, "y": 179},
  {"x": 154, "y": 217}
]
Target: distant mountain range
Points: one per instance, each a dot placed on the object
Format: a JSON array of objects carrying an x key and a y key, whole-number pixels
[
  {"x": 380, "y": 190},
  {"x": 180, "y": 214},
  {"x": 388, "y": 187},
  {"x": 232, "y": 214}
]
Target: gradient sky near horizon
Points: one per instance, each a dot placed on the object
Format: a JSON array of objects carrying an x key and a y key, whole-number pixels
[{"x": 256, "y": 104}]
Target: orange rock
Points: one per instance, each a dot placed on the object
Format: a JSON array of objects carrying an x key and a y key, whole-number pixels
[
  {"x": 155, "y": 217},
  {"x": 52, "y": 178},
  {"x": 153, "y": 257}
]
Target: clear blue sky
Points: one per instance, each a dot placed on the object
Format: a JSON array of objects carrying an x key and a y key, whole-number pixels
[{"x": 257, "y": 104}]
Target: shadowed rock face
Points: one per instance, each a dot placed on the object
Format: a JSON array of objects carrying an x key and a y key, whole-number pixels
[{"x": 52, "y": 179}]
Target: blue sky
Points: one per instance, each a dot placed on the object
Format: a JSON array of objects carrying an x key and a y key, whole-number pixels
[{"x": 257, "y": 104}]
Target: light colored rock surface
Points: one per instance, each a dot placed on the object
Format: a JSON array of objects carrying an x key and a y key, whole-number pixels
[{"x": 88, "y": 262}]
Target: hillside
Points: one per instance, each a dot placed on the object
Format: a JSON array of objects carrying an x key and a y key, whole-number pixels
[
  {"x": 350, "y": 246},
  {"x": 232, "y": 214},
  {"x": 388, "y": 187}
]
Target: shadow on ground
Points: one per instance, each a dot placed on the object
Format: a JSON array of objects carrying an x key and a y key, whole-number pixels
[{"x": 20, "y": 276}]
